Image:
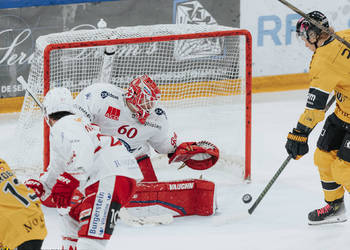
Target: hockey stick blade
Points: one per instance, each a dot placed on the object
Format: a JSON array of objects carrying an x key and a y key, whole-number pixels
[
  {"x": 317, "y": 24},
  {"x": 279, "y": 171},
  {"x": 21, "y": 80}
]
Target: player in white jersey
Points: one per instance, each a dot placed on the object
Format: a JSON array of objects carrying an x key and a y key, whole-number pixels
[
  {"x": 136, "y": 119},
  {"x": 97, "y": 165}
]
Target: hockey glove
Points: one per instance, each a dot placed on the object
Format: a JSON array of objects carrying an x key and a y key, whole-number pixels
[
  {"x": 296, "y": 145},
  {"x": 63, "y": 190},
  {"x": 36, "y": 185}
]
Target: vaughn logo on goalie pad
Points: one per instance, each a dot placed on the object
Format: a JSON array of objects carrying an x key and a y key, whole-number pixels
[{"x": 181, "y": 186}]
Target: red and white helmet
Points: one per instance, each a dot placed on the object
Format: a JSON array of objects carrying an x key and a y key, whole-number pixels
[{"x": 142, "y": 94}]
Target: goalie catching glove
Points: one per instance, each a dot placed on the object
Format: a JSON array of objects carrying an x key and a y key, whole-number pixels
[{"x": 196, "y": 155}]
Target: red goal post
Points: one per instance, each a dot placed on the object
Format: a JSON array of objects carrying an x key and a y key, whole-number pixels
[{"x": 219, "y": 79}]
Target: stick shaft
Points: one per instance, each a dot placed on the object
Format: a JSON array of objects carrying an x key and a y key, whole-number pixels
[
  {"x": 317, "y": 24},
  {"x": 269, "y": 185},
  {"x": 21, "y": 80}
]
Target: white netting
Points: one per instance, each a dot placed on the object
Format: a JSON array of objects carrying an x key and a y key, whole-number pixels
[{"x": 191, "y": 73}]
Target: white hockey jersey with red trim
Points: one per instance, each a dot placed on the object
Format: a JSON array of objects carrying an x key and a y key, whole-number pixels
[
  {"x": 104, "y": 105},
  {"x": 78, "y": 148}
]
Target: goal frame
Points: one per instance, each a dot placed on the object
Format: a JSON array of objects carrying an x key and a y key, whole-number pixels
[{"x": 248, "y": 76}]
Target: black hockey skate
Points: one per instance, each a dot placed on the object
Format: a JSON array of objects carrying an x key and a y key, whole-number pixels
[{"x": 333, "y": 212}]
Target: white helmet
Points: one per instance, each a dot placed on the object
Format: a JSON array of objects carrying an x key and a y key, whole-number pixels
[{"x": 58, "y": 100}]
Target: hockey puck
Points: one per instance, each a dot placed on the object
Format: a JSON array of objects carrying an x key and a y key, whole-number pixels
[{"x": 246, "y": 198}]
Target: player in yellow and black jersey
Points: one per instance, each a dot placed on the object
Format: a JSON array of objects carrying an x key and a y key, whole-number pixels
[
  {"x": 21, "y": 219},
  {"x": 329, "y": 71}
]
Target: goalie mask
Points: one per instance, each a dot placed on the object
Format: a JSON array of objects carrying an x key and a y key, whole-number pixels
[
  {"x": 142, "y": 95},
  {"x": 306, "y": 29},
  {"x": 58, "y": 100}
]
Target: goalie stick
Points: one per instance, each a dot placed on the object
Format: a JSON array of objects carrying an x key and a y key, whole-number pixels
[
  {"x": 279, "y": 171},
  {"x": 317, "y": 24}
]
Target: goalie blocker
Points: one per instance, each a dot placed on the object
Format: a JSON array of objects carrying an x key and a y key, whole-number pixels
[{"x": 179, "y": 198}]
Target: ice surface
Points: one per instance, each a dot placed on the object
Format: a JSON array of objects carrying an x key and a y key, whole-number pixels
[{"x": 278, "y": 223}]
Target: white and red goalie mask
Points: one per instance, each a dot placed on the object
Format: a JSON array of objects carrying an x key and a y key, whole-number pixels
[{"x": 142, "y": 95}]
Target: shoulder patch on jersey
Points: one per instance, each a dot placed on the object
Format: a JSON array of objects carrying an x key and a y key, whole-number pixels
[
  {"x": 160, "y": 111},
  {"x": 105, "y": 94}
]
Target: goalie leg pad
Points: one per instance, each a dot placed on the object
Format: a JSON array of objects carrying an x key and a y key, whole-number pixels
[{"x": 182, "y": 198}]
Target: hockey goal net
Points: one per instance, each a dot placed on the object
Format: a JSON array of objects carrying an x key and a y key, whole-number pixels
[{"x": 203, "y": 71}]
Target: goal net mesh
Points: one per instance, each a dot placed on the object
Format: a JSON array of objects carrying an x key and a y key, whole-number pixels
[{"x": 201, "y": 71}]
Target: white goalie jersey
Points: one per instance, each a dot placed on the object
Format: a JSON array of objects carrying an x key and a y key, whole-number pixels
[{"x": 104, "y": 104}]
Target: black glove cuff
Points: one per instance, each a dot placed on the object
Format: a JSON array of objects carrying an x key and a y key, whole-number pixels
[{"x": 302, "y": 129}]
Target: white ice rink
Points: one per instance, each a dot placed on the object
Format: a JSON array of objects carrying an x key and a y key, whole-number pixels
[{"x": 278, "y": 223}]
